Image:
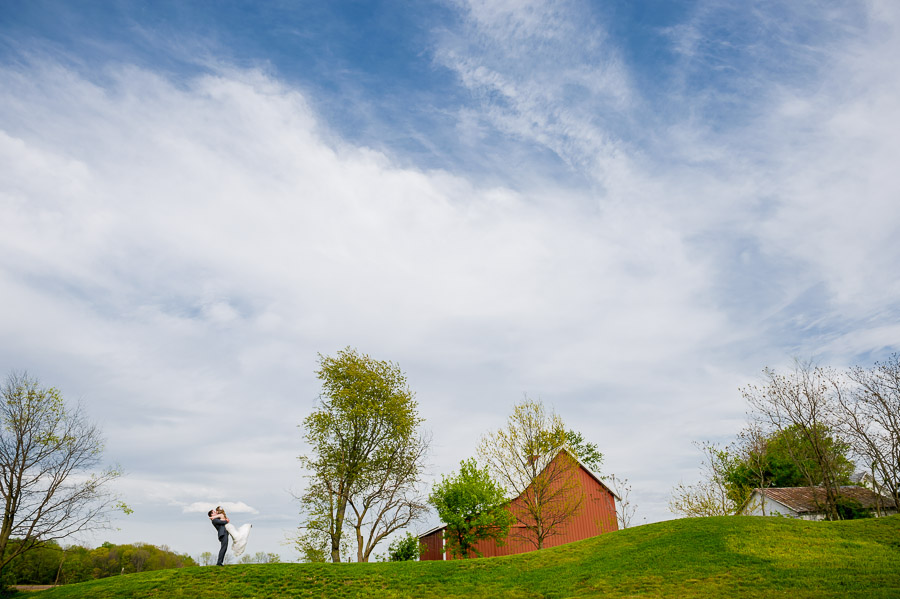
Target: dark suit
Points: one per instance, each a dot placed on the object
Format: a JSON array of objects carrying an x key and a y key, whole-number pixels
[{"x": 223, "y": 538}]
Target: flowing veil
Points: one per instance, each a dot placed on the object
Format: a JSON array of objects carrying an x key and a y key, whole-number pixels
[{"x": 238, "y": 537}]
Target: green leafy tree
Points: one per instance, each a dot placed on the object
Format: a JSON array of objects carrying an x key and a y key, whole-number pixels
[
  {"x": 366, "y": 454},
  {"x": 851, "y": 509},
  {"x": 404, "y": 549},
  {"x": 76, "y": 566},
  {"x": 473, "y": 507},
  {"x": 527, "y": 458},
  {"x": 50, "y": 564},
  {"x": 783, "y": 458},
  {"x": 135, "y": 559},
  {"x": 313, "y": 540},
  {"x": 105, "y": 559},
  {"x": 48, "y": 451},
  {"x": 38, "y": 566},
  {"x": 312, "y": 549},
  {"x": 587, "y": 452}
]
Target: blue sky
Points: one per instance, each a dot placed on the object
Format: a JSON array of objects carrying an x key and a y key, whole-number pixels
[{"x": 627, "y": 209}]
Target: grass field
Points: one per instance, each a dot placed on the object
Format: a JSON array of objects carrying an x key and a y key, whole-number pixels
[{"x": 709, "y": 557}]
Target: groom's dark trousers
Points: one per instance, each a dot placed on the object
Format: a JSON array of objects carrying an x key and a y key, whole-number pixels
[{"x": 223, "y": 539}]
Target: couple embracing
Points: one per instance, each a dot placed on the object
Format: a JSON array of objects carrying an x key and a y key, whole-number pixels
[{"x": 224, "y": 529}]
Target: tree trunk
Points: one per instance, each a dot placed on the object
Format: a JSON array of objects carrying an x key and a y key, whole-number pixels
[
  {"x": 359, "y": 546},
  {"x": 337, "y": 529}
]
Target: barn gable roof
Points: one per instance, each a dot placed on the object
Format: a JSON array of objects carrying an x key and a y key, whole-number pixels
[{"x": 590, "y": 472}]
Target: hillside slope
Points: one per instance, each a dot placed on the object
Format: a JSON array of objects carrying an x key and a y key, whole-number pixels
[{"x": 708, "y": 557}]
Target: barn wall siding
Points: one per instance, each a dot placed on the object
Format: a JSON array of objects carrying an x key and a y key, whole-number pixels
[{"x": 434, "y": 545}]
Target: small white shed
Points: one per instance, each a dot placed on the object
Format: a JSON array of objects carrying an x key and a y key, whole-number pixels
[{"x": 807, "y": 503}]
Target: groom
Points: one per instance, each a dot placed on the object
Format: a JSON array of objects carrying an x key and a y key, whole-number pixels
[{"x": 219, "y": 521}]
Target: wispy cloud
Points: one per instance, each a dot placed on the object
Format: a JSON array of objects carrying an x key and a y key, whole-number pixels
[
  {"x": 545, "y": 73},
  {"x": 785, "y": 151}
]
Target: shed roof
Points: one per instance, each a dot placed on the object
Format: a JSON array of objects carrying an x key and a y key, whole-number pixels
[
  {"x": 433, "y": 530},
  {"x": 811, "y": 499}
]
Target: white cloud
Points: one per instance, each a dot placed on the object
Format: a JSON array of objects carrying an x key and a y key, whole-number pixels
[{"x": 229, "y": 506}]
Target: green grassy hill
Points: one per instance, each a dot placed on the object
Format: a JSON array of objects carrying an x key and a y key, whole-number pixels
[{"x": 709, "y": 557}]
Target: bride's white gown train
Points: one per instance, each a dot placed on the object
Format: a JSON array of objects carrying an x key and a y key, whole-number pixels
[{"x": 238, "y": 537}]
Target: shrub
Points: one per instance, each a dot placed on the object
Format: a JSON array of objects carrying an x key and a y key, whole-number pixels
[{"x": 405, "y": 549}]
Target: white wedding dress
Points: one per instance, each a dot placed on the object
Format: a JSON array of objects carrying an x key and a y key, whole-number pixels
[{"x": 238, "y": 537}]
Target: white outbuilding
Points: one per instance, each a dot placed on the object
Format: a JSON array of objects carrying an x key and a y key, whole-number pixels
[{"x": 807, "y": 503}]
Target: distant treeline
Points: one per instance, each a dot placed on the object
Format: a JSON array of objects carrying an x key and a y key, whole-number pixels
[{"x": 51, "y": 564}]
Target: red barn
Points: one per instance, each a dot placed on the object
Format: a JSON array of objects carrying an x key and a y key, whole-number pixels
[{"x": 596, "y": 516}]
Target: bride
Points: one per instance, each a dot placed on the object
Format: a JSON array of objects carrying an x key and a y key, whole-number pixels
[{"x": 238, "y": 535}]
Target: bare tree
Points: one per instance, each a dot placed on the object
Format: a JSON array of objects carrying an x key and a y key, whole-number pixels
[
  {"x": 625, "y": 509},
  {"x": 260, "y": 557},
  {"x": 388, "y": 499},
  {"x": 47, "y": 452},
  {"x": 527, "y": 457},
  {"x": 868, "y": 413},
  {"x": 802, "y": 401},
  {"x": 710, "y": 496},
  {"x": 139, "y": 558},
  {"x": 752, "y": 448}
]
